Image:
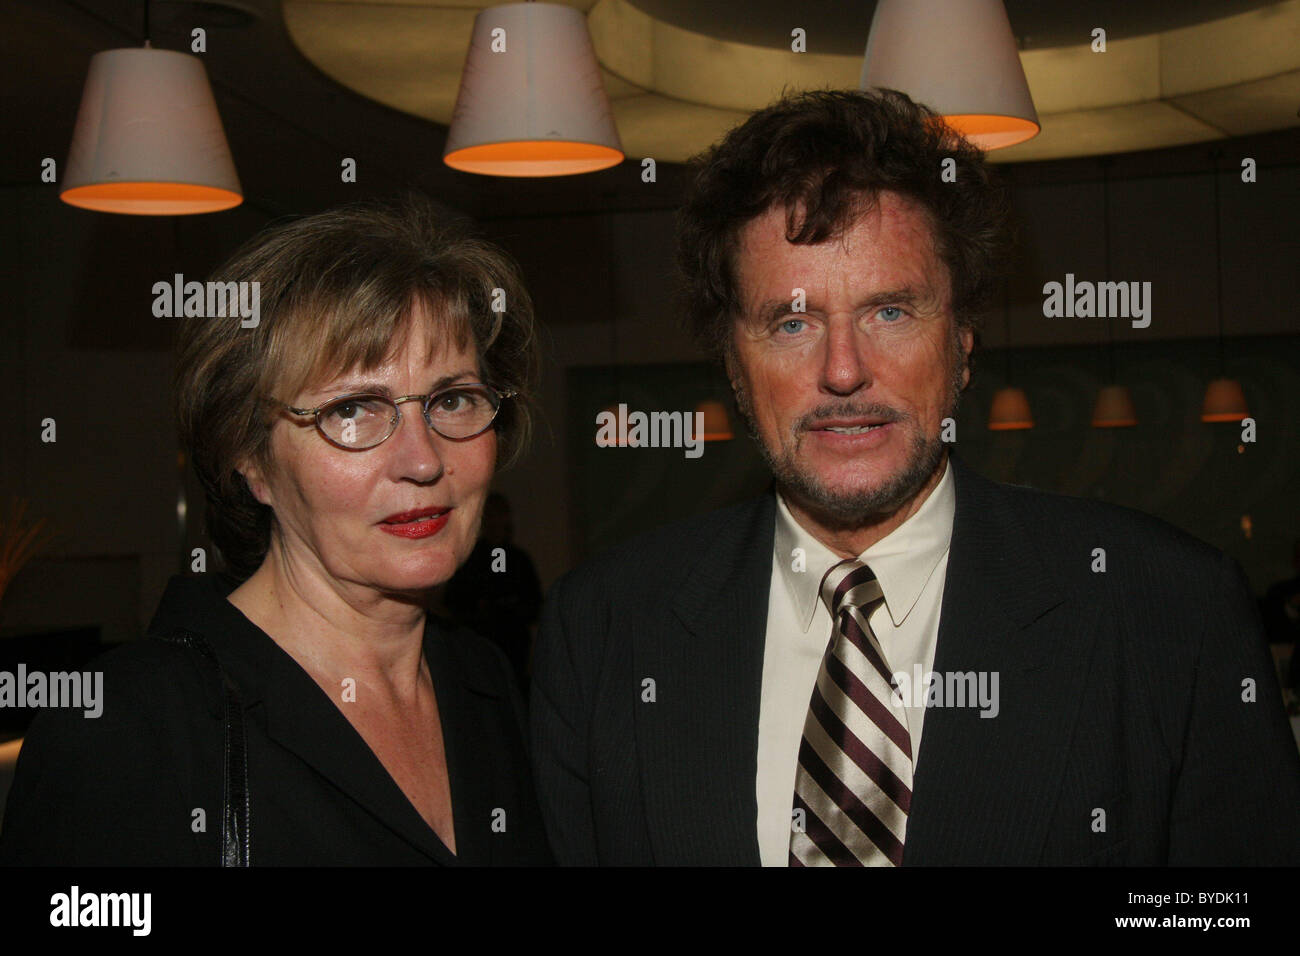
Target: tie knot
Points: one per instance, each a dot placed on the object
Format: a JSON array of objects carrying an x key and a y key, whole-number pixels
[{"x": 850, "y": 584}]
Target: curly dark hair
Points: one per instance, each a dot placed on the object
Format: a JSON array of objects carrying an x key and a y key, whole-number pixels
[
  {"x": 824, "y": 156},
  {"x": 340, "y": 289}
]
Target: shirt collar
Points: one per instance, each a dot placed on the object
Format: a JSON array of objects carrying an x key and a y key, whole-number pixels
[{"x": 902, "y": 561}]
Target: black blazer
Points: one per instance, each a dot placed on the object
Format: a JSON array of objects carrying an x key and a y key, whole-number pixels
[
  {"x": 123, "y": 788},
  {"x": 1120, "y": 691}
]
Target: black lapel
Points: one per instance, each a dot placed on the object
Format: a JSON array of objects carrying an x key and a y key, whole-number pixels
[
  {"x": 282, "y": 698},
  {"x": 468, "y": 705},
  {"x": 698, "y": 741},
  {"x": 985, "y": 787}
]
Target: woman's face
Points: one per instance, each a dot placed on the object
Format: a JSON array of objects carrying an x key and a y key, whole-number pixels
[{"x": 335, "y": 508}]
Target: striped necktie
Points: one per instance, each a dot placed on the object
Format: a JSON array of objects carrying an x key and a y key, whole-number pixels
[{"x": 853, "y": 787}]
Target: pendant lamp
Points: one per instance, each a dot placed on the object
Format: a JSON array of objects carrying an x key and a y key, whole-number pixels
[
  {"x": 1114, "y": 406},
  {"x": 531, "y": 101},
  {"x": 717, "y": 423},
  {"x": 1010, "y": 408},
  {"x": 1224, "y": 400},
  {"x": 958, "y": 57},
  {"x": 620, "y": 435},
  {"x": 1010, "y": 411},
  {"x": 148, "y": 139}
]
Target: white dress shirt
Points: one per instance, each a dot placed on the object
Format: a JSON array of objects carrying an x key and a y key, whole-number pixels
[{"x": 911, "y": 563}]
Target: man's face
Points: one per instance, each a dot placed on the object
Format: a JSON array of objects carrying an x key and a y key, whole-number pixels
[{"x": 846, "y": 399}]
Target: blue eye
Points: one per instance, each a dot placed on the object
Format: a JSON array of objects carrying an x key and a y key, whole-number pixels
[
  {"x": 898, "y": 313},
  {"x": 786, "y": 325}
]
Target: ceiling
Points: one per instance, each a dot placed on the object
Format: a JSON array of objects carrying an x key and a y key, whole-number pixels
[
  {"x": 290, "y": 121},
  {"x": 679, "y": 74},
  {"x": 840, "y": 26}
]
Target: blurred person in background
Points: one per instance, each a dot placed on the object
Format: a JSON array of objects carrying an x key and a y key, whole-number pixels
[{"x": 497, "y": 592}]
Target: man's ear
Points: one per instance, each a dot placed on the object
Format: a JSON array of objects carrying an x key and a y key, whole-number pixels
[
  {"x": 731, "y": 366},
  {"x": 967, "y": 338}
]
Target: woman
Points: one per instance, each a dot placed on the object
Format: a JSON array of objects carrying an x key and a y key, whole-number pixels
[{"x": 304, "y": 709}]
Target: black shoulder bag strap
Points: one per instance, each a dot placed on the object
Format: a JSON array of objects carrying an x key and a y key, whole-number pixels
[{"x": 236, "y": 818}]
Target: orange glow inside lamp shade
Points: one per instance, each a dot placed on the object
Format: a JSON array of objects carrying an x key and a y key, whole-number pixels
[
  {"x": 1224, "y": 402},
  {"x": 717, "y": 423},
  {"x": 1010, "y": 411},
  {"x": 993, "y": 132},
  {"x": 1113, "y": 422},
  {"x": 1114, "y": 408},
  {"x": 151, "y": 199},
  {"x": 619, "y": 441},
  {"x": 533, "y": 158}
]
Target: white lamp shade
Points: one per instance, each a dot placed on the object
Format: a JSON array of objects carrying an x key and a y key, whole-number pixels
[
  {"x": 959, "y": 58},
  {"x": 531, "y": 101},
  {"x": 148, "y": 139}
]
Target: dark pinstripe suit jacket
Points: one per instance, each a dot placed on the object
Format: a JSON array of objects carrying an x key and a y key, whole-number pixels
[{"x": 1120, "y": 691}]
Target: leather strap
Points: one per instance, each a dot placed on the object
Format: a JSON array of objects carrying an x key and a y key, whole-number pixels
[{"x": 236, "y": 814}]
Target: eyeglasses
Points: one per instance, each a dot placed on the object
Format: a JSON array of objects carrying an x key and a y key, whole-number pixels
[{"x": 361, "y": 421}]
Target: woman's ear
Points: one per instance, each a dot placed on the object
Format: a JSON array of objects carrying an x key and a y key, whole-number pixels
[{"x": 253, "y": 476}]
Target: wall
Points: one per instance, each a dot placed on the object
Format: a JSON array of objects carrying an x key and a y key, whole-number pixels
[
  {"x": 604, "y": 292},
  {"x": 80, "y": 345}
]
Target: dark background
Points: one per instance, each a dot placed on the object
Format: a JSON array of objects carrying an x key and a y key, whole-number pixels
[{"x": 78, "y": 342}]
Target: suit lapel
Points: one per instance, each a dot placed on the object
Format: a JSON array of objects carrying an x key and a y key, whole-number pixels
[
  {"x": 698, "y": 740},
  {"x": 984, "y": 786}
]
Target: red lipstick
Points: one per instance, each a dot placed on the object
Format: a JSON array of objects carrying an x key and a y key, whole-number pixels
[{"x": 419, "y": 523}]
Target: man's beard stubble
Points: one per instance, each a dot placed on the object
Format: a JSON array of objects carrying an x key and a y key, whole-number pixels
[{"x": 850, "y": 510}]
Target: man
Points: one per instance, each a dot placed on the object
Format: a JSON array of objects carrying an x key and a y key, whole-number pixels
[{"x": 752, "y": 686}]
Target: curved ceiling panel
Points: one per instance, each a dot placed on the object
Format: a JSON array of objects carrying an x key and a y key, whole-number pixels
[{"x": 675, "y": 91}]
